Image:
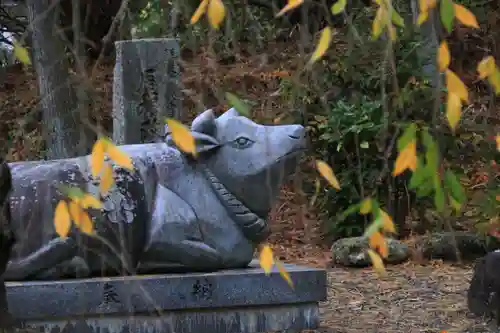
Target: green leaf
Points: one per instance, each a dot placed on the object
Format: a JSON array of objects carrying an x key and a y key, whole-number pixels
[
  {"x": 397, "y": 19},
  {"x": 338, "y": 7},
  {"x": 431, "y": 154},
  {"x": 236, "y": 103},
  {"x": 425, "y": 189},
  {"x": 439, "y": 194},
  {"x": 418, "y": 176},
  {"x": 349, "y": 210},
  {"x": 454, "y": 204},
  {"x": 373, "y": 227},
  {"x": 427, "y": 138},
  {"x": 447, "y": 12},
  {"x": 364, "y": 145},
  {"x": 71, "y": 191},
  {"x": 455, "y": 187},
  {"x": 408, "y": 135}
]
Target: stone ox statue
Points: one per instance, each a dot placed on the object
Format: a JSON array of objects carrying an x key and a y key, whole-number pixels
[{"x": 173, "y": 213}]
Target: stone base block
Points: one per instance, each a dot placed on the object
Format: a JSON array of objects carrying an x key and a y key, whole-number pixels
[{"x": 231, "y": 301}]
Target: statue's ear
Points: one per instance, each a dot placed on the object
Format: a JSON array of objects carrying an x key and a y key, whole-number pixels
[
  {"x": 229, "y": 114},
  {"x": 203, "y": 130},
  {"x": 205, "y": 123},
  {"x": 203, "y": 142}
]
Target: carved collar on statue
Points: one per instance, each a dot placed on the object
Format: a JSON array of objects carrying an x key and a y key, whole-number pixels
[{"x": 254, "y": 227}]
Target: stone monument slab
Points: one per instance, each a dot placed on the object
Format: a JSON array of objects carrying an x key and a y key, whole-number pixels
[{"x": 146, "y": 88}]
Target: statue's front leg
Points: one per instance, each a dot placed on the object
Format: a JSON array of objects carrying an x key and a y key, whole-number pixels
[
  {"x": 181, "y": 256},
  {"x": 175, "y": 238},
  {"x": 55, "y": 252}
]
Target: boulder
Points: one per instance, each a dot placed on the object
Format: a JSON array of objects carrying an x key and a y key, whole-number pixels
[
  {"x": 351, "y": 252},
  {"x": 441, "y": 245},
  {"x": 483, "y": 294}
]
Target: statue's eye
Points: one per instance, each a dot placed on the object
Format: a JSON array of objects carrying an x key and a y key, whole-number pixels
[{"x": 242, "y": 142}]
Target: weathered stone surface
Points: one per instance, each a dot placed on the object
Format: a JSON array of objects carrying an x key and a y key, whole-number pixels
[
  {"x": 6, "y": 238},
  {"x": 145, "y": 89},
  {"x": 483, "y": 295},
  {"x": 441, "y": 245},
  {"x": 351, "y": 251},
  {"x": 237, "y": 300},
  {"x": 172, "y": 213}
]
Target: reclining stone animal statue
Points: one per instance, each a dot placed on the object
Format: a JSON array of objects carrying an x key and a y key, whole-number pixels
[
  {"x": 172, "y": 213},
  {"x": 483, "y": 295},
  {"x": 6, "y": 239}
]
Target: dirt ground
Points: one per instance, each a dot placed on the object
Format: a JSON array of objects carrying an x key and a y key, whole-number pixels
[{"x": 411, "y": 298}]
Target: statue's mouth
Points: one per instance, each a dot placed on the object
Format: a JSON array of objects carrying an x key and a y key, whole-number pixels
[{"x": 292, "y": 154}]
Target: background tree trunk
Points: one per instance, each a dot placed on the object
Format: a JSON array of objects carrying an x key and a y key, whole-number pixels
[{"x": 61, "y": 120}]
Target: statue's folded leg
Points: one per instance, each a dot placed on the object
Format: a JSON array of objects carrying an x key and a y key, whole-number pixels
[
  {"x": 47, "y": 257},
  {"x": 74, "y": 268},
  {"x": 182, "y": 255}
]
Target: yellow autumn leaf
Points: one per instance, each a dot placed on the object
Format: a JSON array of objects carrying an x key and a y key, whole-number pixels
[
  {"x": 443, "y": 56},
  {"x": 182, "y": 136},
  {"x": 486, "y": 67},
  {"x": 21, "y": 53},
  {"x": 497, "y": 139},
  {"x": 76, "y": 212},
  {"x": 106, "y": 179},
  {"x": 266, "y": 259},
  {"x": 119, "y": 157},
  {"x": 423, "y": 5},
  {"x": 324, "y": 42},
  {"x": 86, "y": 224},
  {"x": 366, "y": 206},
  {"x": 387, "y": 223},
  {"x": 289, "y": 6},
  {"x": 379, "y": 22},
  {"x": 428, "y": 4},
  {"x": 62, "y": 219},
  {"x": 494, "y": 80},
  {"x": 453, "y": 110},
  {"x": 422, "y": 17},
  {"x": 327, "y": 173},
  {"x": 284, "y": 274},
  {"x": 377, "y": 262},
  {"x": 377, "y": 242},
  {"x": 216, "y": 13},
  {"x": 202, "y": 8},
  {"x": 456, "y": 86},
  {"x": 89, "y": 201},
  {"x": 465, "y": 16},
  {"x": 97, "y": 157},
  {"x": 407, "y": 159},
  {"x": 392, "y": 31}
]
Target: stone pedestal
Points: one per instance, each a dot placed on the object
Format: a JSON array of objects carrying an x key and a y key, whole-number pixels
[
  {"x": 231, "y": 301},
  {"x": 145, "y": 89}
]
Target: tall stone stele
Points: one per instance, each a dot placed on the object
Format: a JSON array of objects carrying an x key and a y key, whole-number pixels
[{"x": 145, "y": 89}]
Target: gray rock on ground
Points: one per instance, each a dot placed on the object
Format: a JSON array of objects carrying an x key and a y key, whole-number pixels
[
  {"x": 483, "y": 295},
  {"x": 441, "y": 245},
  {"x": 351, "y": 252}
]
